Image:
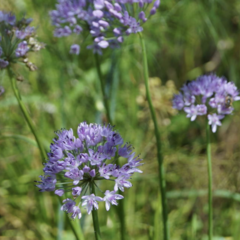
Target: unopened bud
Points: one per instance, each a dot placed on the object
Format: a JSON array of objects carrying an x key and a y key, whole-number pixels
[
  {"x": 25, "y": 60},
  {"x": 31, "y": 66}
]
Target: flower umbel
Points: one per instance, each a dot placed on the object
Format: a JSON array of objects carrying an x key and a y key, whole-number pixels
[
  {"x": 76, "y": 165},
  {"x": 17, "y": 38},
  {"x": 208, "y": 95},
  {"x": 107, "y": 21}
]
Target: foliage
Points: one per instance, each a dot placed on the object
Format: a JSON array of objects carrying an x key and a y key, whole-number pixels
[{"x": 184, "y": 39}]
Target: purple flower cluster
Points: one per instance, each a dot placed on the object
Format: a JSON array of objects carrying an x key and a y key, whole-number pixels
[
  {"x": 17, "y": 38},
  {"x": 107, "y": 21},
  {"x": 208, "y": 95},
  {"x": 76, "y": 165}
]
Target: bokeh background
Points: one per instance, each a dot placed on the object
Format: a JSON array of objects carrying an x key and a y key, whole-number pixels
[{"x": 184, "y": 40}]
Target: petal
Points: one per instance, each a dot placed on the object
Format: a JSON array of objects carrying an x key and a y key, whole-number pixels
[
  {"x": 75, "y": 182},
  {"x": 103, "y": 44},
  {"x": 107, "y": 204},
  {"x": 59, "y": 192},
  {"x": 214, "y": 128}
]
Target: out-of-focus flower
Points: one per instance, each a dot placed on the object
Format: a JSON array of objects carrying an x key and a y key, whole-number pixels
[
  {"x": 162, "y": 95},
  {"x": 208, "y": 95},
  {"x": 75, "y": 49},
  {"x": 17, "y": 39},
  {"x": 76, "y": 165},
  {"x": 107, "y": 21}
]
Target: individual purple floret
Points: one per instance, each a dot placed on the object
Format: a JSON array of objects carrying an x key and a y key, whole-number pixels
[
  {"x": 75, "y": 49},
  {"x": 208, "y": 95},
  {"x": 20, "y": 39},
  {"x": 22, "y": 49},
  {"x": 214, "y": 120},
  {"x": 76, "y": 165},
  {"x": 111, "y": 197},
  {"x": 90, "y": 201},
  {"x": 107, "y": 21},
  {"x": 70, "y": 207}
]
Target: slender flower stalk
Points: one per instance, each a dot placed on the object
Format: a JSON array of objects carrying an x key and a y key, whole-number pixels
[
  {"x": 26, "y": 115},
  {"x": 95, "y": 218},
  {"x": 212, "y": 97},
  {"x": 120, "y": 209},
  {"x": 210, "y": 210},
  {"x": 158, "y": 141},
  {"x": 121, "y": 216},
  {"x": 109, "y": 22},
  {"x": 105, "y": 97}
]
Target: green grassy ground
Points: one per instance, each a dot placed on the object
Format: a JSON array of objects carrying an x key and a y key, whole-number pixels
[{"x": 184, "y": 39}]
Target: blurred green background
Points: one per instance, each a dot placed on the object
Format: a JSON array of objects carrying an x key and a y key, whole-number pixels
[{"x": 184, "y": 40}]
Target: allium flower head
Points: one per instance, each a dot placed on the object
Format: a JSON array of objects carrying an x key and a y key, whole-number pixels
[
  {"x": 208, "y": 95},
  {"x": 17, "y": 38},
  {"x": 76, "y": 165},
  {"x": 107, "y": 21}
]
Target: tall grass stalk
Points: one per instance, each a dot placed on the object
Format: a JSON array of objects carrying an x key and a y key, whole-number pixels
[
  {"x": 158, "y": 141},
  {"x": 95, "y": 218},
  {"x": 121, "y": 215},
  {"x": 210, "y": 211},
  {"x": 120, "y": 209},
  {"x": 26, "y": 115},
  {"x": 31, "y": 126},
  {"x": 105, "y": 97}
]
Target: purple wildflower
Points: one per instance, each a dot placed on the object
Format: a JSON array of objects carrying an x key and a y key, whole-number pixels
[
  {"x": 101, "y": 18},
  {"x": 76, "y": 191},
  {"x": 178, "y": 102},
  {"x": 121, "y": 182},
  {"x": 20, "y": 38},
  {"x": 79, "y": 163},
  {"x": 191, "y": 112},
  {"x": 90, "y": 201},
  {"x": 214, "y": 121},
  {"x": 59, "y": 192},
  {"x": 208, "y": 95},
  {"x": 22, "y": 49},
  {"x": 111, "y": 197},
  {"x": 27, "y": 32},
  {"x": 47, "y": 184},
  {"x": 70, "y": 207},
  {"x": 75, "y": 49}
]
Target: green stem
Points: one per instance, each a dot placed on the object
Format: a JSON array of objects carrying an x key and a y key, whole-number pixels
[
  {"x": 210, "y": 210},
  {"x": 120, "y": 209},
  {"x": 95, "y": 218},
  {"x": 26, "y": 115},
  {"x": 77, "y": 232},
  {"x": 121, "y": 213},
  {"x": 73, "y": 229},
  {"x": 158, "y": 141},
  {"x": 31, "y": 126},
  {"x": 105, "y": 98}
]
